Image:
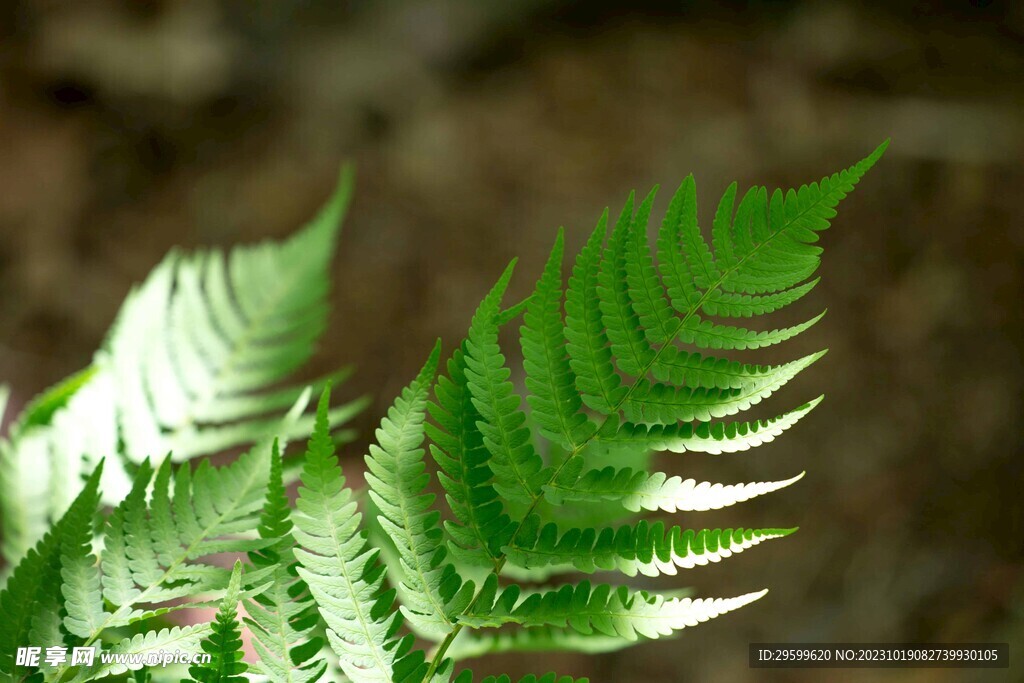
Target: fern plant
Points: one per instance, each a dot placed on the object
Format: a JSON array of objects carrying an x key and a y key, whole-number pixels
[
  {"x": 192, "y": 366},
  {"x": 611, "y": 375},
  {"x": 376, "y": 586},
  {"x": 224, "y": 644}
]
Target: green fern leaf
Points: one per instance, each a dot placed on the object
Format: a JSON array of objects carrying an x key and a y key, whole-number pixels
[
  {"x": 224, "y": 644},
  {"x": 704, "y": 437},
  {"x": 141, "y": 647},
  {"x": 397, "y": 481},
  {"x": 645, "y": 290},
  {"x": 695, "y": 249},
  {"x": 615, "y": 612},
  {"x": 81, "y": 587},
  {"x": 587, "y": 341},
  {"x": 644, "y": 548},
  {"x": 518, "y": 469},
  {"x": 630, "y": 348},
  {"x": 32, "y": 600},
  {"x": 705, "y": 334},
  {"x": 556, "y": 405},
  {"x": 342, "y": 572},
  {"x": 283, "y": 618},
  {"x": 151, "y": 552},
  {"x": 731, "y": 305},
  {"x": 480, "y": 526},
  {"x": 538, "y": 639},
  {"x": 659, "y": 403}
]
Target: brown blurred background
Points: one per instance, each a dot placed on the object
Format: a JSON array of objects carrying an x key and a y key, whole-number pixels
[{"x": 478, "y": 128}]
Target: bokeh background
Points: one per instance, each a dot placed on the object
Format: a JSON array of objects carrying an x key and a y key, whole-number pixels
[{"x": 128, "y": 127}]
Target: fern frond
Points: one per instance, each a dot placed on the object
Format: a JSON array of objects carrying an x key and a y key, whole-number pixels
[
  {"x": 615, "y": 612},
  {"x": 645, "y": 548},
  {"x": 704, "y": 437},
  {"x": 474, "y": 644},
  {"x": 143, "y": 646},
  {"x": 31, "y": 601},
  {"x": 224, "y": 644},
  {"x": 638, "y": 490},
  {"x": 283, "y": 618},
  {"x": 587, "y": 342},
  {"x": 615, "y": 373},
  {"x": 518, "y": 469},
  {"x": 190, "y": 367},
  {"x": 397, "y": 479},
  {"x": 227, "y": 327},
  {"x": 151, "y": 550},
  {"x": 480, "y": 526},
  {"x": 555, "y": 402},
  {"x": 550, "y": 480},
  {"x": 342, "y": 572}
]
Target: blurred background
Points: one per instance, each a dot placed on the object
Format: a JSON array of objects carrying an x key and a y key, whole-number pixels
[{"x": 129, "y": 127}]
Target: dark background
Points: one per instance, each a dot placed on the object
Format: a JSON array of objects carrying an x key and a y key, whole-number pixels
[{"x": 478, "y": 128}]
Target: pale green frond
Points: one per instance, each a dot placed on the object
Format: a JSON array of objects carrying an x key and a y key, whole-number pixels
[
  {"x": 192, "y": 366},
  {"x": 51, "y": 448},
  {"x": 32, "y": 600},
  {"x": 80, "y": 576},
  {"x": 397, "y": 479},
  {"x": 342, "y": 572},
  {"x": 151, "y": 548},
  {"x": 616, "y": 612},
  {"x": 283, "y": 618},
  {"x": 210, "y": 328},
  {"x": 644, "y": 548},
  {"x": 142, "y": 646},
  {"x": 639, "y": 490},
  {"x": 538, "y": 639}
]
